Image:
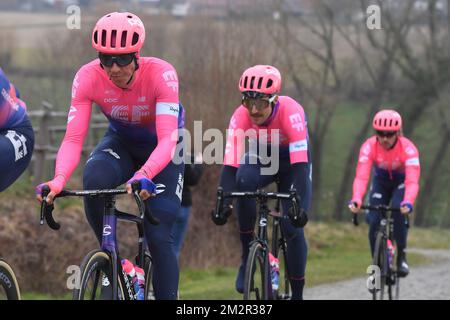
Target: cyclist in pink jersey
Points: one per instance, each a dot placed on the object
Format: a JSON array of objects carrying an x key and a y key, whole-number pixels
[
  {"x": 396, "y": 173},
  {"x": 264, "y": 112},
  {"x": 139, "y": 96}
]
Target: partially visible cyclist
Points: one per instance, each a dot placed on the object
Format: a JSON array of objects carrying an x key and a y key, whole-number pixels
[
  {"x": 139, "y": 96},
  {"x": 16, "y": 134},
  {"x": 395, "y": 179},
  {"x": 263, "y": 109}
]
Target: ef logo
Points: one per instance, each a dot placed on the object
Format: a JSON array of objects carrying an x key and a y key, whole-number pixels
[{"x": 374, "y": 279}]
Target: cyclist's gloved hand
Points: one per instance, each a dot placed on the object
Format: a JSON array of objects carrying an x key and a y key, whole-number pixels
[
  {"x": 354, "y": 205},
  {"x": 406, "y": 207},
  {"x": 221, "y": 217},
  {"x": 56, "y": 185},
  {"x": 148, "y": 187},
  {"x": 298, "y": 219}
]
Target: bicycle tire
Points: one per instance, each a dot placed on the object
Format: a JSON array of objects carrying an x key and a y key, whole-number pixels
[
  {"x": 9, "y": 287},
  {"x": 379, "y": 259},
  {"x": 256, "y": 280},
  {"x": 99, "y": 262},
  {"x": 148, "y": 268}
]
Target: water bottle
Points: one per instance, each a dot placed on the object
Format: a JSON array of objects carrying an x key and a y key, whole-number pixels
[
  {"x": 391, "y": 252},
  {"x": 274, "y": 271},
  {"x": 140, "y": 274},
  {"x": 130, "y": 270}
]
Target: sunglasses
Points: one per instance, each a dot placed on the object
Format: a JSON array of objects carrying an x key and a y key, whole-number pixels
[
  {"x": 387, "y": 134},
  {"x": 259, "y": 103},
  {"x": 121, "y": 60}
]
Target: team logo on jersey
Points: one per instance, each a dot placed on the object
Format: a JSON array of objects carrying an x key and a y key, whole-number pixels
[
  {"x": 110, "y": 100},
  {"x": 139, "y": 112},
  {"x": 18, "y": 141},
  {"x": 10, "y": 100},
  {"x": 119, "y": 113},
  {"x": 410, "y": 151},
  {"x": 75, "y": 86},
  {"x": 170, "y": 77},
  {"x": 179, "y": 190},
  {"x": 71, "y": 116},
  {"x": 160, "y": 188},
  {"x": 296, "y": 122}
]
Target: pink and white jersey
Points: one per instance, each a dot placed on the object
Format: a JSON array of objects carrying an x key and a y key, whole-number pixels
[
  {"x": 288, "y": 117},
  {"x": 146, "y": 113},
  {"x": 399, "y": 164}
]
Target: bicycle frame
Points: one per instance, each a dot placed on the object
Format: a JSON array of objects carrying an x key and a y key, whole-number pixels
[
  {"x": 263, "y": 212},
  {"x": 110, "y": 217}
]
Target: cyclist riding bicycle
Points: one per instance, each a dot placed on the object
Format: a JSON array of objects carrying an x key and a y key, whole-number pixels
[
  {"x": 395, "y": 179},
  {"x": 139, "y": 96},
  {"x": 16, "y": 134},
  {"x": 267, "y": 113}
]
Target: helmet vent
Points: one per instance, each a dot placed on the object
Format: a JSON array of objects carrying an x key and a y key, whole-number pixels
[
  {"x": 260, "y": 82},
  {"x": 135, "y": 39},
  {"x": 113, "y": 38},
  {"x": 95, "y": 37},
  {"x": 103, "y": 38},
  {"x": 269, "y": 83},
  {"x": 252, "y": 83},
  {"x": 123, "y": 39}
]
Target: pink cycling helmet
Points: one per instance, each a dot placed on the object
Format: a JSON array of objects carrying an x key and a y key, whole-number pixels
[
  {"x": 118, "y": 33},
  {"x": 387, "y": 120},
  {"x": 262, "y": 79}
]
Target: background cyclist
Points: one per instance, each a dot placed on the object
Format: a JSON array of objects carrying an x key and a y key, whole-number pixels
[
  {"x": 16, "y": 134},
  {"x": 395, "y": 161},
  {"x": 263, "y": 109}
]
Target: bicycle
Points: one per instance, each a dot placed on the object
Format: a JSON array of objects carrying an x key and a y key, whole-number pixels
[
  {"x": 257, "y": 280},
  {"x": 103, "y": 266},
  {"x": 384, "y": 256},
  {"x": 9, "y": 287}
]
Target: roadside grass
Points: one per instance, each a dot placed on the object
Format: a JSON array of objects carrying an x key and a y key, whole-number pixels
[{"x": 336, "y": 251}]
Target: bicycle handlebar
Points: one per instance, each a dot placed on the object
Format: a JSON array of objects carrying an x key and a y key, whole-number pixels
[
  {"x": 47, "y": 210},
  {"x": 380, "y": 208},
  {"x": 259, "y": 194}
]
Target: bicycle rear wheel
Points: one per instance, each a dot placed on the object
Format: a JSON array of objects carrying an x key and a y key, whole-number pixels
[
  {"x": 380, "y": 260},
  {"x": 256, "y": 274},
  {"x": 96, "y": 278},
  {"x": 9, "y": 287}
]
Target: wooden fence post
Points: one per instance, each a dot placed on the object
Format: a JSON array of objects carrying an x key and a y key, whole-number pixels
[{"x": 42, "y": 144}]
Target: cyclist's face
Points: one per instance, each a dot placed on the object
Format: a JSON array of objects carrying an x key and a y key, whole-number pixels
[
  {"x": 120, "y": 75},
  {"x": 387, "y": 140},
  {"x": 258, "y": 109}
]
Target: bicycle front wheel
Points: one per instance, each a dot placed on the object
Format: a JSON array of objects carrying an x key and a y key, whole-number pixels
[
  {"x": 380, "y": 260},
  {"x": 96, "y": 278},
  {"x": 9, "y": 287},
  {"x": 256, "y": 281}
]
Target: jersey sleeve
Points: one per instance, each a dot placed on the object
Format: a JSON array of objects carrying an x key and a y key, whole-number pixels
[
  {"x": 294, "y": 125},
  {"x": 412, "y": 173},
  {"x": 235, "y": 145},
  {"x": 167, "y": 114},
  {"x": 363, "y": 169},
  {"x": 78, "y": 119}
]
